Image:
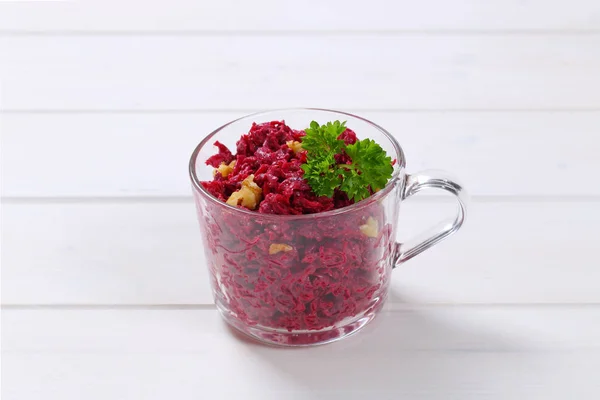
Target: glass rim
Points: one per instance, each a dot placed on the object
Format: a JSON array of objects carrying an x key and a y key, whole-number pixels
[{"x": 400, "y": 160}]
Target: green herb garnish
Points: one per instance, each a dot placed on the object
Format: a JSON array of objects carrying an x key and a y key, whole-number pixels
[{"x": 370, "y": 168}]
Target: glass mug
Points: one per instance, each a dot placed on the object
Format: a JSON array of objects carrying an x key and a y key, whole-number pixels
[{"x": 301, "y": 280}]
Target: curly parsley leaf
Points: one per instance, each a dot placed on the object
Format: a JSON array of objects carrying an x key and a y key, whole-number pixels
[
  {"x": 374, "y": 165},
  {"x": 370, "y": 168},
  {"x": 321, "y": 175},
  {"x": 322, "y": 140}
]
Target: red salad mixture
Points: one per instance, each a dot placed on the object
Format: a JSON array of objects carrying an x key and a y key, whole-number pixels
[
  {"x": 271, "y": 153},
  {"x": 294, "y": 274}
]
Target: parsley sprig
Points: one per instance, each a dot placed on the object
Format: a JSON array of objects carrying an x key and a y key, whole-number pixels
[{"x": 370, "y": 168}]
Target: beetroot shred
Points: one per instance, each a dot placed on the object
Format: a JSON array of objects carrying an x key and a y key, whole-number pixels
[{"x": 289, "y": 274}]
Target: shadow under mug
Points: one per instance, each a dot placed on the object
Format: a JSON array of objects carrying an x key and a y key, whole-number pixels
[{"x": 334, "y": 274}]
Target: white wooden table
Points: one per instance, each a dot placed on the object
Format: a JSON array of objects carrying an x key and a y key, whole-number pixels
[{"x": 104, "y": 289}]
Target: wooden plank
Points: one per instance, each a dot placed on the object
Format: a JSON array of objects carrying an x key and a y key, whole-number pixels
[
  {"x": 147, "y": 154},
  {"x": 344, "y": 72},
  {"x": 462, "y": 353},
  {"x": 310, "y": 15},
  {"x": 415, "y": 328},
  {"x": 107, "y": 253},
  {"x": 151, "y": 253}
]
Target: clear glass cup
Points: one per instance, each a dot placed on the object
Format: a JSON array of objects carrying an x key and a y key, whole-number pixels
[{"x": 300, "y": 280}]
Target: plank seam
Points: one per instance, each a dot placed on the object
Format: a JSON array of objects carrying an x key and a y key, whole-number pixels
[
  {"x": 9, "y": 111},
  {"x": 188, "y": 199},
  {"x": 391, "y": 306},
  {"x": 297, "y": 32}
]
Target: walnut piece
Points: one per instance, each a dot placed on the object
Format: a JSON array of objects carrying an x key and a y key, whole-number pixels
[
  {"x": 294, "y": 146},
  {"x": 371, "y": 228},
  {"x": 249, "y": 195},
  {"x": 225, "y": 169},
  {"x": 275, "y": 248}
]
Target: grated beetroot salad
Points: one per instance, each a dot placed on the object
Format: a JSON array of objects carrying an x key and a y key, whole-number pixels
[
  {"x": 266, "y": 153},
  {"x": 291, "y": 275}
]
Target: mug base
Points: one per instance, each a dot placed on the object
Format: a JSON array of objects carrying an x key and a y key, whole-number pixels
[{"x": 281, "y": 337}]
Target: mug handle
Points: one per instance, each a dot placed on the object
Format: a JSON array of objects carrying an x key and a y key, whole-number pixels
[{"x": 432, "y": 180}]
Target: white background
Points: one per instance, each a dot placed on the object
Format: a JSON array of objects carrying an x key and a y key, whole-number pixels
[{"x": 104, "y": 289}]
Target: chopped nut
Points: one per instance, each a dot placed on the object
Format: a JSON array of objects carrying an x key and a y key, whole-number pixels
[
  {"x": 371, "y": 228},
  {"x": 294, "y": 146},
  {"x": 225, "y": 169},
  {"x": 248, "y": 196},
  {"x": 275, "y": 248}
]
